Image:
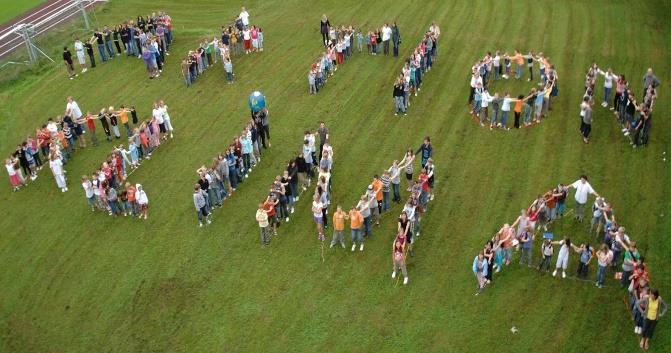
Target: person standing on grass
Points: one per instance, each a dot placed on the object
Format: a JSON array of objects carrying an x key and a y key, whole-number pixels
[
  {"x": 547, "y": 250},
  {"x": 582, "y": 191},
  {"x": 586, "y": 122},
  {"x": 324, "y": 28},
  {"x": 142, "y": 201},
  {"x": 228, "y": 67},
  {"x": 490, "y": 254},
  {"x": 56, "y": 165},
  {"x": 67, "y": 59},
  {"x": 81, "y": 56},
  {"x": 604, "y": 257},
  {"x": 649, "y": 80},
  {"x": 356, "y": 222},
  {"x": 317, "y": 207},
  {"x": 395, "y": 38},
  {"x": 427, "y": 151},
  {"x": 480, "y": 267},
  {"x": 262, "y": 218},
  {"x": 398, "y": 258},
  {"x": 98, "y": 37},
  {"x": 200, "y": 202},
  {"x": 88, "y": 45},
  {"x": 269, "y": 206},
  {"x": 88, "y": 192},
  {"x": 323, "y": 133},
  {"x": 563, "y": 256},
  {"x": 654, "y": 308},
  {"x": 339, "y": 227},
  {"x": 526, "y": 240}
]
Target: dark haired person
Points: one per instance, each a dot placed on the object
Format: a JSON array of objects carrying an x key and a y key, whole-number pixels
[
  {"x": 655, "y": 307},
  {"x": 67, "y": 59}
]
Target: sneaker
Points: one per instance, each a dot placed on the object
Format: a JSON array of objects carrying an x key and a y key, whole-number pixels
[
  {"x": 405, "y": 280},
  {"x": 393, "y": 274},
  {"x": 624, "y": 130},
  {"x": 343, "y": 245},
  {"x": 563, "y": 274},
  {"x": 332, "y": 244},
  {"x": 209, "y": 221},
  {"x": 292, "y": 210},
  {"x": 353, "y": 246},
  {"x": 286, "y": 219},
  {"x": 361, "y": 247},
  {"x": 200, "y": 224},
  {"x": 554, "y": 273},
  {"x": 431, "y": 198}
]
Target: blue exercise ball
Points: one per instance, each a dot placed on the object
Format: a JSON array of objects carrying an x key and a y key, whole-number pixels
[{"x": 257, "y": 101}]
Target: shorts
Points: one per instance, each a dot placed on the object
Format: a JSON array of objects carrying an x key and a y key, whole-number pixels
[
  {"x": 648, "y": 328},
  {"x": 161, "y": 127},
  {"x": 247, "y": 43},
  {"x": 408, "y": 176},
  {"x": 319, "y": 220},
  {"x": 374, "y": 211}
]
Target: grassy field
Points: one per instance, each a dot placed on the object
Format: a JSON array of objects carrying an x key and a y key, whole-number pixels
[
  {"x": 11, "y": 8},
  {"x": 73, "y": 281}
]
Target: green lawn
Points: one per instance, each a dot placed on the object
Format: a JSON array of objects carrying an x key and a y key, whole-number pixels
[
  {"x": 73, "y": 281},
  {"x": 12, "y": 8}
]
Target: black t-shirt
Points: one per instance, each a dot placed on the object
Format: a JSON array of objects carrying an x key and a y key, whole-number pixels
[
  {"x": 204, "y": 184},
  {"x": 89, "y": 48},
  {"x": 404, "y": 224},
  {"x": 99, "y": 37},
  {"x": 67, "y": 56}
]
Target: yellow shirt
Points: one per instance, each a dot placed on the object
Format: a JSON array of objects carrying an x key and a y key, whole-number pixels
[{"x": 653, "y": 307}]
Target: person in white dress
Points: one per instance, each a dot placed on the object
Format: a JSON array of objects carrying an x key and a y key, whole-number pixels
[
  {"x": 81, "y": 54},
  {"x": 56, "y": 166}
]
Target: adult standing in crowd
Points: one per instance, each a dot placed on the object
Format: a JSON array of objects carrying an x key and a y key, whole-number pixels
[
  {"x": 582, "y": 191},
  {"x": 261, "y": 120},
  {"x": 324, "y": 27},
  {"x": 67, "y": 59},
  {"x": 244, "y": 17},
  {"x": 655, "y": 308},
  {"x": 81, "y": 56},
  {"x": 395, "y": 38},
  {"x": 649, "y": 80}
]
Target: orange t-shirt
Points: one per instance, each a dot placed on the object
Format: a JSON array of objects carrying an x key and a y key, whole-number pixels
[
  {"x": 377, "y": 186},
  {"x": 123, "y": 115},
  {"x": 339, "y": 220},
  {"x": 355, "y": 219},
  {"x": 519, "y": 58},
  {"x": 518, "y": 106}
]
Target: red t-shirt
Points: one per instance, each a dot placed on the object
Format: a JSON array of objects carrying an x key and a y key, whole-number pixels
[
  {"x": 270, "y": 209},
  {"x": 423, "y": 178}
]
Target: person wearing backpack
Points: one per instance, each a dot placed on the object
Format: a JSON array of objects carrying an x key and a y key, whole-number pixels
[
  {"x": 547, "y": 250},
  {"x": 585, "y": 252},
  {"x": 526, "y": 240}
]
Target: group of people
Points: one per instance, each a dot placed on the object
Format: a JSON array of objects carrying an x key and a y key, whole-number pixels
[
  {"x": 635, "y": 117},
  {"x": 235, "y": 39},
  {"x": 220, "y": 180},
  {"x": 527, "y": 108},
  {"x": 313, "y": 161},
  {"x": 409, "y": 82},
  {"x": 339, "y": 42},
  {"x": 53, "y": 144},
  {"x": 147, "y": 38},
  {"x": 615, "y": 250}
]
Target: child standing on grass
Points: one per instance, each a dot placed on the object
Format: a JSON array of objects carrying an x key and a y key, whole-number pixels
[
  {"x": 142, "y": 201},
  {"x": 228, "y": 67}
]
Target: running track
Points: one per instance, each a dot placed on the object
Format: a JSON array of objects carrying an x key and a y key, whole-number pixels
[{"x": 38, "y": 15}]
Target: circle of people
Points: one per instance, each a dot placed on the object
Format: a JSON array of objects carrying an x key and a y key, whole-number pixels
[{"x": 491, "y": 68}]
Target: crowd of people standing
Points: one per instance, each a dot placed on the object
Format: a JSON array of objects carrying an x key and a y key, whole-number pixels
[
  {"x": 146, "y": 38},
  {"x": 608, "y": 245},
  {"x": 494, "y": 109},
  {"x": 634, "y": 116},
  {"x": 421, "y": 61}
]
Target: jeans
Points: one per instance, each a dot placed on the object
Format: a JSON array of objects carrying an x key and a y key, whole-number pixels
[
  {"x": 504, "y": 118},
  {"x": 527, "y": 113},
  {"x": 497, "y": 69},
  {"x": 579, "y": 210},
  {"x": 400, "y": 106},
  {"x": 367, "y": 226},
  {"x": 544, "y": 265},
  {"x": 229, "y": 76},
  {"x": 110, "y": 49},
  {"x": 357, "y": 235},
  {"x": 385, "y": 200},
  {"x": 606, "y": 94},
  {"x": 397, "y": 192},
  {"x": 495, "y": 115},
  {"x": 601, "y": 275},
  {"x": 525, "y": 254},
  {"x": 202, "y": 213},
  {"x": 518, "y": 71},
  {"x": 265, "y": 235},
  {"x": 103, "y": 54},
  {"x": 338, "y": 237}
]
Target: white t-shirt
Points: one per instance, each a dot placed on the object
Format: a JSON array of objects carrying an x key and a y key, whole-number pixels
[
  {"x": 317, "y": 205},
  {"x": 73, "y": 108},
  {"x": 246, "y": 34},
  {"x": 157, "y": 113},
  {"x": 582, "y": 191},
  {"x": 141, "y": 197},
  {"x": 88, "y": 189},
  {"x": 475, "y": 80},
  {"x": 79, "y": 46},
  {"x": 244, "y": 16},
  {"x": 164, "y": 112},
  {"x": 386, "y": 33},
  {"x": 10, "y": 169},
  {"x": 505, "y": 105}
]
